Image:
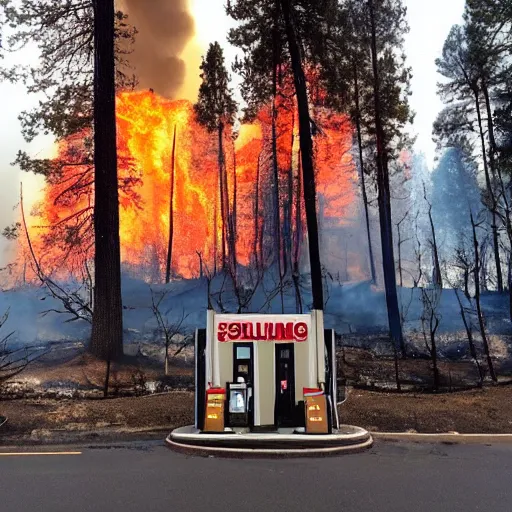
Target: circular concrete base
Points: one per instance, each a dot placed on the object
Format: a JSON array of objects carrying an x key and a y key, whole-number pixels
[{"x": 347, "y": 439}]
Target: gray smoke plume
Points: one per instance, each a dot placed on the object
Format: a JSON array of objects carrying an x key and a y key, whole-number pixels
[{"x": 164, "y": 28}]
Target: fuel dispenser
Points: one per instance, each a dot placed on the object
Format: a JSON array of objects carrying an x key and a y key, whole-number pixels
[
  {"x": 317, "y": 416},
  {"x": 238, "y": 404},
  {"x": 214, "y": 416}
]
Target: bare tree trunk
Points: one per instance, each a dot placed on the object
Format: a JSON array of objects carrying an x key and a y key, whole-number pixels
[
  {"x": 107, "y": 379},
  {"x": 384, "y": 201},
  {"x": 373, "y": 273},
  {"x": 466, "y": 283},
  {"x": 437, "y": 278},
  {"x": 481, "y": 322},
  {"x": 490, "y": 189},
  {"x": 171, "y": 212},
  {"x": 215, "y": 233},
  {"x": 277, "y": 207},
  {"x": 235, "y": 192},
  {"x": 297, "y": 244},
  {"x": 306, "y": 146},
  {"x": 275, "y": 169},
  {"x": 288, "y": 208},
  {"x": 223, "y": 212},
  {"x": 433, "y": 344},
  {"x": 256, "y": 214},
  {"x": 471, "y": 342},
  {"x": 496, "y": 170},
  {"x": 107, "y": 320}
]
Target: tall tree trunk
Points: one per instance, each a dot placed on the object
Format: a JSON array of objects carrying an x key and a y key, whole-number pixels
[
  {"x": 107, "y": 319},
  {"x": 373, "y": 273},
  {"x": 256, "y": 214},
  {"x": 215, "y": 232},
  {"x": 480, "y": 315},
  {"x": 384, "y": 200},
  {"x": 171, "y": 212},
  {"x": 490, "y": 189},
  {"x": 223, "y": 212},
  {"x": 288, "y": 208},
  {"x": 277, "y": 208},
  {"x": 437, "y": 277},
  {"x": 234, "y": 209},
  {"x": 275, "y": 164},
  {"x": 306, "y": 146},
  {"x": 471, "y": 341},
  {"x": 298, "y": 240},
  {"x": 497, "y": 171}
]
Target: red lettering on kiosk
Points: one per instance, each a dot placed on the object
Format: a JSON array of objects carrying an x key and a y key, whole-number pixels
[
  {"x": 262, "y": 331},
  {"x": 222, "y": 331},
  {"x": 234, "y": 331}
]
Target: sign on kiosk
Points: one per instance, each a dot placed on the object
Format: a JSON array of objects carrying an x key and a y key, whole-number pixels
[
  {"x": 266, "y": 372},
  {"x": 253, "y": 328}
]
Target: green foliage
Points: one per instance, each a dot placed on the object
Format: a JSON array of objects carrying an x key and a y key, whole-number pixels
[
  {"x": 260, "y": 35},
  {"x": 215, "y": 106},
  {"x": 62, "y": 31}
]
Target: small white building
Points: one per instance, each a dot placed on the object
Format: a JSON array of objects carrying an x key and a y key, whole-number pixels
[{"x": 265, "y": 364}]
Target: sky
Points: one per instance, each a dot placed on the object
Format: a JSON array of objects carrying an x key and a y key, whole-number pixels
[{"x": 430, "y": 22}]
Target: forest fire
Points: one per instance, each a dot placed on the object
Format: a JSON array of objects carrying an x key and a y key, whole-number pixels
[{"x": 164, "y": 153}]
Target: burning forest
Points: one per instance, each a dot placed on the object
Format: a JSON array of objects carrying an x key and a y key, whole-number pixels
[{"x": 166, "y": 156}]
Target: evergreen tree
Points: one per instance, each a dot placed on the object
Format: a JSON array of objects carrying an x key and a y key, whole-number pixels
[
  {"x": 216, "y": 110},
  {"x": 391, "y": 112},
  {"x": 73, "y": 89},
  {"x": 107, "y": 319},
  {"x": 287, "y": 35},
  {"x": 455, "y": 191},
  {"x": 467, "y": 95}
]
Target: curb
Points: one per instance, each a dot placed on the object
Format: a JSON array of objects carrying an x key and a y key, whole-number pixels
[
  {"x": 207, "y": 451},
  {"x": 446, "y": 438}
]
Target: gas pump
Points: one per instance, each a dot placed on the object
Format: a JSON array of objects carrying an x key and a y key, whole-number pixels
[{"x": 239, "y": 398}]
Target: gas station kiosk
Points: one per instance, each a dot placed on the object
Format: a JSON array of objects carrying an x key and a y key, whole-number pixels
[{"x": 265, "y": 373}]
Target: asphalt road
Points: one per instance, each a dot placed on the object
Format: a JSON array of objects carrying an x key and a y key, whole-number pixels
[{"x": 150, "y": 478}]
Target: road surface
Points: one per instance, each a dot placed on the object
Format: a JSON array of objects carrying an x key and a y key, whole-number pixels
[{"x": 147, "y": 477}]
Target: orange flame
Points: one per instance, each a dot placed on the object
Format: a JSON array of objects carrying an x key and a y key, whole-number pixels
[{"x": 146, "y": 125}]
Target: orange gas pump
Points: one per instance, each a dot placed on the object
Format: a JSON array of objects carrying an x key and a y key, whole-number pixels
[
  {"x": 214, "y": 417},
  {"x": 316, "y": 411}
]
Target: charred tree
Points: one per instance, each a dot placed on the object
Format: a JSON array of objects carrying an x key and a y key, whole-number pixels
[
  {"x": 306, "y": 147},
  {"x": 107, "y": 319},
  {"x": 215, "y": 110},
  {"x": 256, "y": 215},
  {"x": 298, "y": 240},
  {"x": 491, "y": 192},
  {"x": 479, "y": 312},
  {"x": 275, "y": 164},
  {"x": 171, "y": 212},
  {"x": 364, "y": 193},
  {"x": 384, "y": 200},
  {"x": 471, "y": 341}
]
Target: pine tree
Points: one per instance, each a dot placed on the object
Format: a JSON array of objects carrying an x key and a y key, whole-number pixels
[
  {"x": 107, "y": 320},
  {"x": 290, "y": 34},
  {"x": 465, "y": 92},
  {"x": 63, "y": 32},
  {"x": 216, "y": 110},
  {"x": 383, "y": 106},
  {"x": 454, "y": 191}
]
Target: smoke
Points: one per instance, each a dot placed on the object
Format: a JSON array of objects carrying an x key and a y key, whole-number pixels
[{"x": 164, "y": 29}]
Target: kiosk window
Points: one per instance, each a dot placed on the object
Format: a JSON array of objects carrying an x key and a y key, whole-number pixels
[
  {"x": 243, "y": 352},
  {"x": 242, "y": 362}
]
